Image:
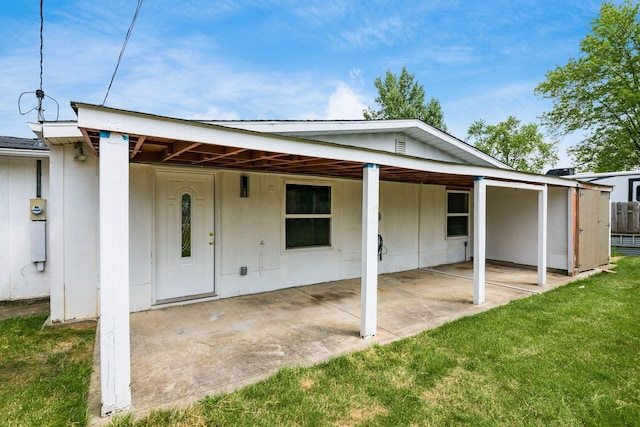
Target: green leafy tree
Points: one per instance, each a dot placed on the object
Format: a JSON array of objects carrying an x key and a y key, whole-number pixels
[
  {"x": 520, "y": 146},
  {"x": 598, "y": 93},
  {"x": 402, "y": 98}
]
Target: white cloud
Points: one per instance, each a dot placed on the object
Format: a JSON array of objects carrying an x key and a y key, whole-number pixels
[
  {"x": 344, "y": 103},
  {"x": 214, "y": 113},
  {"x": 387, "y": 31}
]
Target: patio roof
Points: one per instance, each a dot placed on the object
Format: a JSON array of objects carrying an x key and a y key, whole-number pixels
[{"x": 170, "y": 141}]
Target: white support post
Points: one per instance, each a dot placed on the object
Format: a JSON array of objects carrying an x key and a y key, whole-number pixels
[
  {"x": 479, "y": 238},
  {"x": 56, "y": 233},
  {"x": 115, "y": 358},
  {"x": 369, "y": 285},
  {"x": 542, "y": 236}
]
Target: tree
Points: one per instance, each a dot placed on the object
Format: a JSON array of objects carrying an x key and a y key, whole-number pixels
[
  {"x": 402, "y": 98},
  {"x": 519, "y": 146},
  {"x": 599, "y": 92}
]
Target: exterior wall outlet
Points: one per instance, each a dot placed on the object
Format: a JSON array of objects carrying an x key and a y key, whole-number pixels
[{"x": 243, "y": 271}]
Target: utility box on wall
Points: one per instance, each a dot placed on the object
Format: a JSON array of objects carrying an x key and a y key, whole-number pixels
[
  {"x": 38, "y": 214},
  {"x": 38, "y": 209},
  {"x": 38, "y": 241}
]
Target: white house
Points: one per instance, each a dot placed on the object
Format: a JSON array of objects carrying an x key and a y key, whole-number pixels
[
  {"x": 147, "y": 211},
  {"x": 24, "y": 183}
]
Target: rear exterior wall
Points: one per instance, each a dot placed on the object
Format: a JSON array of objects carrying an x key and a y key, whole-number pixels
[
  {"x": 512, "y": 226},
  {"x": 250, "y": 233}
]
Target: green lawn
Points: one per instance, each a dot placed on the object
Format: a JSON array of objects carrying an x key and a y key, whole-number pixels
[
  {"x": 44, "y": 374},
  {"x": 568, "y": 357}
]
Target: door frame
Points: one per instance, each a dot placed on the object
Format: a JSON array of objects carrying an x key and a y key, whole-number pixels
[{"x": 155, "y": 303}]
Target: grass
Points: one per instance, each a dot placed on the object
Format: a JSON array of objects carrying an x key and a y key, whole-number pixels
[
  {"x": 568, "y": 357},
  {"x": 44, "y": 373}
]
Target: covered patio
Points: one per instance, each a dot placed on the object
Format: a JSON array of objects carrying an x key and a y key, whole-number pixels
[
  {"x": 229, "y": 343},
  {"x": 181, "y": 354}
]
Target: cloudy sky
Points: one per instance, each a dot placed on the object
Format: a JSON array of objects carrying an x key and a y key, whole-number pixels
[{"x": 286, "y": 59}]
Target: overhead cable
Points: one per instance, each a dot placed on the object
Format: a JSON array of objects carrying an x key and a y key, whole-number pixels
[{"x": 124, "y": 46}]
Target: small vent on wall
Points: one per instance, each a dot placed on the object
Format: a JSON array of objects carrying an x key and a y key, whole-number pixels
[{"x": 401, "y": 147}]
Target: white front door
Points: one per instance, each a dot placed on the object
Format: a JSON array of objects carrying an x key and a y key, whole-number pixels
[{"x": 184, "y": 236}]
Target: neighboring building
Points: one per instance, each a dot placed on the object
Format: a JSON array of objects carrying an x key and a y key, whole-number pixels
[
  {"x": 626, "y": 185},
  {"x": 625, "y": 217},
  {"x": 24, "y": 171},
  {"x": 147, "y": 211}
]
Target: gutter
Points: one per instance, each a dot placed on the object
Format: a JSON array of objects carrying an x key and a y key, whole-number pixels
[{"x": 23, "y": 152}]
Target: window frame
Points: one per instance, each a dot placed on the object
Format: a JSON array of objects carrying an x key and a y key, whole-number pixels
[
  {"x": 458, "y": 215},
  {"x": 182, "y": 224},
  {"x": 287, "y": 216}
]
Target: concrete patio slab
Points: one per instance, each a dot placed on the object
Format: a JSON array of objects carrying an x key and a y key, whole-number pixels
[{"x": 182, "y": 354}]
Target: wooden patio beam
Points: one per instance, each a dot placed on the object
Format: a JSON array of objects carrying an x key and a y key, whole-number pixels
[
  {"x": 178, "y": 148},
  {"x": 137, "y": 147}
]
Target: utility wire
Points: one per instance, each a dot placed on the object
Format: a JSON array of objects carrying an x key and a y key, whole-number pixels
[
  {"x": 40, "y": 92},
  {"x": 124, "y": 46},
  {"x": 41, "y": 38}
]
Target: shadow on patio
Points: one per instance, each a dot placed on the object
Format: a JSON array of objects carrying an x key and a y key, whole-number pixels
[{"x": 182, "y": 354}]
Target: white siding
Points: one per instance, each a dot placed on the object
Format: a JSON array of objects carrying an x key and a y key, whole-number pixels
[
  {"x": 81, "y": 235},
  {"x": 620, "y": 192},
  {"x": 512, "y": 219},
  {"x": 19, "y": 278},
  {"x": 387, "y": 142},
  {"x": 249, "y": 232},
  {"x": 141, "y": 237},
  {"x": 435, "y": 248}
]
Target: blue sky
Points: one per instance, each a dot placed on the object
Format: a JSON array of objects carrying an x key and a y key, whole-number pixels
[{"x": 287, "y": 59}]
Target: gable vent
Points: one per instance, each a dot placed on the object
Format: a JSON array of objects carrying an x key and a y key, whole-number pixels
[{"x": 401, "y": 147}]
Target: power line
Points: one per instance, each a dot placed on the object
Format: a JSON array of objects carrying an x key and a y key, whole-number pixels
[
  {"x": 40, "y": 92},
  {"x": 41, "y": 39},
  {"x": 124, "y": 46},
  {"x": 40, "y": 95}
]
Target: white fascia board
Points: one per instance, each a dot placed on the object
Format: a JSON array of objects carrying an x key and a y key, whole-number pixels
[
  {"x": 357, "y": 126},
  {"x": 302, "y": 126},
  {"x": 519, "y": 185},
  {"x": 13, "y": 152},
  {"x": 52, "y": 130},
  {"x": 127, "y": 122},
  {"x": 601, "y": 175},
  {"x": 57, "y": 133}
]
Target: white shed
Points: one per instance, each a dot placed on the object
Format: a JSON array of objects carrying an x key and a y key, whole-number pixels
[{"x": 24, "y": 185}]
